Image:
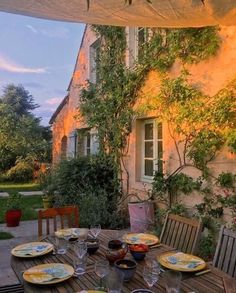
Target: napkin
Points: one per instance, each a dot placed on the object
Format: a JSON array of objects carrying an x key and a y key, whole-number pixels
[
  {"x": 32, "y": 250},
  {"x": 47, "y": 274},
  {"x": 183, "y": 260}
]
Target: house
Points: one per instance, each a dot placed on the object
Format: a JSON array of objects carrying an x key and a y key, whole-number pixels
[{"x": 150, "y": 140}]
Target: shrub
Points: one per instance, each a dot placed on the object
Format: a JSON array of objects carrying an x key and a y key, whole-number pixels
[
  {"x": 92, "y": 183},
  {"x": 14, "y": 201},
  {"x": 21, "y": 172}
]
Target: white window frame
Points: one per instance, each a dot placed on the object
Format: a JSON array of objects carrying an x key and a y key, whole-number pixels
[
  {"x": 93, "y": 60},
  {"x": 146, "y": 178},
  {"x": 93, "y": 147}
]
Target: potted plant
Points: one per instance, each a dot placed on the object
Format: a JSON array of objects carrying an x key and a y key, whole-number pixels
[
  {"x": 48, "y": 196},
  {"x": 13, "y": 212}
]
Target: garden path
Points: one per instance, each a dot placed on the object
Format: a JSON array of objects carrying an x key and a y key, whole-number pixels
[
  {"x": 27, "y": 230},
  {"x": 24, "y": 193}
]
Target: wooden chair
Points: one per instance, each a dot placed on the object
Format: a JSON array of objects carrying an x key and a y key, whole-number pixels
[
  {"x": 67, "y": 216},
  {"x": 225, "y": 255},
  {"x": 181, "y": 233},
  {"x": 16, "y": 288}
]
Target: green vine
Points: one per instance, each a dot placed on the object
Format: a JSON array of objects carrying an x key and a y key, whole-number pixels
[{"x": 108, "y": 105}]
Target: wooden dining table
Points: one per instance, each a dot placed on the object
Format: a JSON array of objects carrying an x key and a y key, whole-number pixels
[{"x": 211, "y": 282}]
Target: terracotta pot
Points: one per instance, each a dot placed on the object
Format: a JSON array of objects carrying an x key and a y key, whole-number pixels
[{"x": 13, "y": 218}]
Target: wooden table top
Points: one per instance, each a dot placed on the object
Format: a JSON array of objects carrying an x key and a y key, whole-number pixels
[{"x": 212, "y": 282}]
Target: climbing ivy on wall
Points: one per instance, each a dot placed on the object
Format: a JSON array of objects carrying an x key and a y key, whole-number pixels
[{"x": 108, "y": 104}]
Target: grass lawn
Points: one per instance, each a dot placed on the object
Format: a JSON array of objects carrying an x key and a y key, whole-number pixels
[
  {"x": 29, "y": 203},
  {"x": 5, "y": 235},
  {"x": 11, "y": 187}
]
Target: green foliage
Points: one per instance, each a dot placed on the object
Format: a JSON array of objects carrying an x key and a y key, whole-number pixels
[
  {"x": 19, "y": 99},
  {"x": 226, "y": 179},
  {"x": 92, "y": 184},
  {"x": 5, "y": 235},
  {"x": 178, "y": 209},
  {"x": 207, "y": 247},
  {"x": 167, "y": 188},
  {"x": 21, "y": 134},
  {"x": 14, "y": 201},
  {"x": 190, "y": 45},
  {"x": 21, "y": 172}
]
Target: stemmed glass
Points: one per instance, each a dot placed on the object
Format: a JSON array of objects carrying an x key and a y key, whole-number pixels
[
  {"x": 151, "y": 275},
  {"x": 101, "y": 269},
  {"x": 95, "y": 230}
]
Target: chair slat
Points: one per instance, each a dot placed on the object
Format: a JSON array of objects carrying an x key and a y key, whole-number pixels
[
  {"x": 68, "y": 217},
  {"x": 225, "y": 254},
  {"x": 181, "y": 233}
]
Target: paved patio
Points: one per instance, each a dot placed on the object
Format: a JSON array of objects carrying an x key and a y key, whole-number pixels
[
  {"x": 27, "y": 231},
  {"x": 24, "y": 193}
]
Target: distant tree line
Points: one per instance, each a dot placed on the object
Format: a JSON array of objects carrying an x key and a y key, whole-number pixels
[{"x": 23, "y": 140}]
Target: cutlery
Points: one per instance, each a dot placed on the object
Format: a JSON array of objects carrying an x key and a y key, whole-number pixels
[{"x": 202, "y": 272}]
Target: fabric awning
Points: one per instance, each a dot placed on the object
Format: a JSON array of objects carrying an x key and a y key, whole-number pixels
[{"x": 153, "y": 13}]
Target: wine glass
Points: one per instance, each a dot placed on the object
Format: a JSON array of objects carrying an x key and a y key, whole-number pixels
[
  {"x": 173, "y": 281},
  {"x": 80, "y": 249},
  {"x": 101, "y": 269},
  {"x": 95, "y": 230},
  {"x": 150, "y": 275}
]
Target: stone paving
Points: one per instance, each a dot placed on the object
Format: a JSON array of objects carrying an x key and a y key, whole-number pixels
[{"x": 26, "y": 231}]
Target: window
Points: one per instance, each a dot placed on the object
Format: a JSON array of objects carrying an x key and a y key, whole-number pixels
[
  {"x": 87, "y": 142},
  {"x": 63, "y": 147},
  {"x": 152, "y": 148},
  {"x": 136, "y": 37},
  {"x": 72, "y": 144},
  {"x": 93, "y": 61}
]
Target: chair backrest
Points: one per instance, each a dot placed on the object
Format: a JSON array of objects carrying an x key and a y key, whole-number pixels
[
  {"x": 225, "y": 254},
  {"x": 181, "y": 233},
  {"x": 67, "y": 217}
]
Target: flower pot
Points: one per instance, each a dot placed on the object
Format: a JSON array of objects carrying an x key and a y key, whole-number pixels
[
  {"x": 47, "y": 203},
  {"x": 13, "y": 218}
]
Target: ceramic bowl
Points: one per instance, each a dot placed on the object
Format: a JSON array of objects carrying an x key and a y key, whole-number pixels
[
  {"x": 141, "y": 291},
  {"x": 127, "y": 267},
  {"x": 92, "y": 245},
  {"x": 138, "y": 251}
]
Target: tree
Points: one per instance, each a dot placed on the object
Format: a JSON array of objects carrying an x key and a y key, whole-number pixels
[
  {"x": 21, "y": 135},
  {"x": 19, "y": 99}
]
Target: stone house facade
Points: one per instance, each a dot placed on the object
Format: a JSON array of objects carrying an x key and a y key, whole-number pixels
[{"x": 211, "y": 75}]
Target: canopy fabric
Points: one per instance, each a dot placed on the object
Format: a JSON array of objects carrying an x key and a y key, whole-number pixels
[{"x": 144, "y": 13}]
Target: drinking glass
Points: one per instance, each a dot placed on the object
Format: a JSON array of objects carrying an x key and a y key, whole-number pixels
[
  {"x": 80, "y": 249},
  {"x": 173, "y": 281},
  {"x": 61, "y": 245},
  {"x": 80, "y": 265},
  {"x": 150, "y": 275},
  {"x": 95, "y": 230},
  {"x": 101, "y": 269},
  {"x": 114, "y": 281}
]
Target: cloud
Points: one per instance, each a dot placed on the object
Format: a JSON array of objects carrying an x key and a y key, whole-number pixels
[
  {"x": 56, "y": 32},
  {"x": 53, "y": 101},
  {"x": 33, "y": 29},
  {"x": 11, "y": 66}
]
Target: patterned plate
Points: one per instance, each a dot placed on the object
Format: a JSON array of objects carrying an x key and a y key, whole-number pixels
[
  {"x": 50, "y": 273},
  {"x": 180, "y": 261},
  {"x": 32, "y": 249},
  {"x": 140, "y": 238},
  {"x": 76, "y": 232}
]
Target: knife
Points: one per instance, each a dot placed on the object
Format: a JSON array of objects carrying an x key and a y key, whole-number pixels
[{"x": 202, "y": 272}]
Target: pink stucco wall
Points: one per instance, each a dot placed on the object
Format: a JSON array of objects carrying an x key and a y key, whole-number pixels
[
  {"x": 65, "y": 121},
  {"x": 210, "y": 76}
]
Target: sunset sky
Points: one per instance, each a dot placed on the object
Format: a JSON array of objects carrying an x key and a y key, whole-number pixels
[{"x": 40, "y": 55}]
